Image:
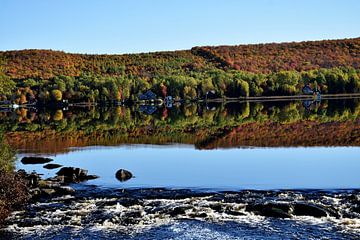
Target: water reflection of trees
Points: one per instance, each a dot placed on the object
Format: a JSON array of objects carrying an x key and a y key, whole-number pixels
[
  {"x": 184, "y": 123},
  {"x": 190, "y": 115}
]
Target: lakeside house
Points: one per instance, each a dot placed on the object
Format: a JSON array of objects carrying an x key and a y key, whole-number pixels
[
  {"x": 148, "y": 96},
  {"x": 307, "y": 90}
]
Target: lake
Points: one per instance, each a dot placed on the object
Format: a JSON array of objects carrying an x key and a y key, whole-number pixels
[
  {"x": 190, "y": 158},
  {"x": 183, "y": 166}
]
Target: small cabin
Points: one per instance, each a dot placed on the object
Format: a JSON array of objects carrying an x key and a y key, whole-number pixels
[
  {"x": 307, "y": 90},
  {"x": 148, "y": 95},
  {"x": 147, "y": 109}
]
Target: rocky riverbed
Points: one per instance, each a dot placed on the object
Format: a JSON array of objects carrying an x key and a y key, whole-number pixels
[
  {"x": 81, "y": 210},
  {"x": 62, "y": 207}
]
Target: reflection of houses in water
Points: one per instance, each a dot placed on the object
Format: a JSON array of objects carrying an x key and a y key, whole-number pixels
[
  {"x": 310, "y": 104},
  {"x": 168, "y": 101},
  {"x": 147, "y": 109}
]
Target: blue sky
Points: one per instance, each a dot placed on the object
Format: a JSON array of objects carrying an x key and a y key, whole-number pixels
[{"x": 128, "y": 26}]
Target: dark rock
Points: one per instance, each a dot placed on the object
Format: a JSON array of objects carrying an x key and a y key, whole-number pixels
[
  {"x": 48, "y": 184},
  {"x": 35, "y": 160},
  {"x": 123, "y": 175},
  {"x": 217, "y": 207},
  {"x": 178, "y": 211},
  {"x": 65, "y": 190},
  {"x": 91, "y": 177},
  {"x": 52, "y": 166},
  {"x": 73, "y": 175},
  {"x": 356, "y": 209},
  {"x": 34, "y": 192},
  {"x": 234, "y": 213},
  {"x": 131, "y": 218},
  {"x": 47, "y": 192},
  {"x": 127, "y": 202},
  {"x": 32, "y": 179},
  {"x": 308, "y": 209},
  {"x": 198, "y": 215},
  {"x": 277, "y": 210}
]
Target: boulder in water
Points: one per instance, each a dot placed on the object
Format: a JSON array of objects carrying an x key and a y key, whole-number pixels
[
  {"x": 52, "y": 166},
  {"x": 308, "y": 209},
  {"x": 74, "y": 175},
  {"x": 277, "y": 210},
  {"x": 35, "y": 160},
  {"x": 123, "y": 175}
]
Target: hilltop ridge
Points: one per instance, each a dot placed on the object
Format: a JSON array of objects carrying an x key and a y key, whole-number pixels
[{"x": 228, "y": 71}]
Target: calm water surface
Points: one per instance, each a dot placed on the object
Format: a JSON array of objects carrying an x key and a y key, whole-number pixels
[{"x": 183, "y": 166}]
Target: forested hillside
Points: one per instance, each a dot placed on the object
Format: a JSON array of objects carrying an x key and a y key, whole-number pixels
[
  {"x": 230, "y": 71},
  {"x": 301, "y": 56}
]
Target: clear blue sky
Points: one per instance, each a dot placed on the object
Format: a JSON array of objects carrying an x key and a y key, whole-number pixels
[{"x": 127, "y": 26}]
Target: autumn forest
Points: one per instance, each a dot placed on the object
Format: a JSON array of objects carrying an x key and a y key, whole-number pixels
[{"x": 45, "y": 76}]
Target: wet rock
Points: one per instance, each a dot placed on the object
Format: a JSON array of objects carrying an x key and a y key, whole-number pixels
[
  {"x": 234, "y": 213},
  {"x": 34, "y": 192},
  {"x": 131, "y": 218},
  {"x": 35, "y": 160},
  {"x": 65, "y": 190},
  {"x": 52, "y": 166},
  {"x": 198, "y": 215},
  {"x": 47, "y": 192},
  {"x": 355, "y": 209},
  {"x": 123, "y": 175},
  {"x": 127, "y": 202},
  {"x": 307, "y": 209},
  {"x": 180, "y": 210},
  {"x": 277, "y": 210},
  {"x": 91, "y": 177},
  {"x": 73, "y": 175},
  {"x": 217, "y": 207},
  {"x": 48, "y": 184},
  {"x": 32, "y": 180}
]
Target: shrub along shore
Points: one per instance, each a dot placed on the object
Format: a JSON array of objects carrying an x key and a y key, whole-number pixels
[{"x": 13, "y": 191}]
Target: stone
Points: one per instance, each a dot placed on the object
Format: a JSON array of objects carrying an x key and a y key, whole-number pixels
[
  {"x": 123, "y": 175},
  {"x": 73, "y": 175},
  {"x": 65, "y": 190},
  {"x": 178, "y": 211},
  {"x": 306, "y": 209},
  {"x": 48, "y": 184},
  {"x": 234, "y": 213},
  {"x": 35, "y": 160},
  {"x": 276, "y": 210},
  {"x": 52, "y": 166},
  {"x": 91, "y": 177},
  {"x": 46, "y": 192}
]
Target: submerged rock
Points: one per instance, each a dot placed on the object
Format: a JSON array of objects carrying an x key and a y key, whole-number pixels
[
  {"x": 123, "y": 175},
  {"x": 52, "y": 166},
  {"x": 35, "y": 160}
]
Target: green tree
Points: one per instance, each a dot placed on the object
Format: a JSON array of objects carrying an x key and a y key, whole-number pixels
[{"x": 56, "y": 94}]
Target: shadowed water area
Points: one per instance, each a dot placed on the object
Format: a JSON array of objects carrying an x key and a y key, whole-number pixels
[{"x": 253, "y": 170}]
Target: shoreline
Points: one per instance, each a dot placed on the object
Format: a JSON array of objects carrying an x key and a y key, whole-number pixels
[
  {"x": 159, "y": 102},
  {"x": 135, "y": 211}
]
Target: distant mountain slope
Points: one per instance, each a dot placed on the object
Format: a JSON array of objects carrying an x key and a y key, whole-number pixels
[
  {"x": 259, "y": 58},
  {"x": 46, "y": 64},
  {"x": 273, "y": 57}
]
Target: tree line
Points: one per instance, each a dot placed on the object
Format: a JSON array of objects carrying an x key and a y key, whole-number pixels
[
  {"x": 194, "y": 85},
  {"x": 229, "y": 71}
]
